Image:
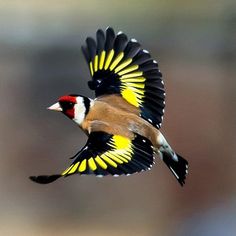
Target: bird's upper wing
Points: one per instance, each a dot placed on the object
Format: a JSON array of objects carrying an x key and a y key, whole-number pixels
[
  {"x": 106, "y": 154},
  {"x": 120, "y": 66}
]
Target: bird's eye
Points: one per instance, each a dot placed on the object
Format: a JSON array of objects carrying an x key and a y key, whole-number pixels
[
  {"x": 70, "y": 105},
  {"x": 66, "y": 105}
]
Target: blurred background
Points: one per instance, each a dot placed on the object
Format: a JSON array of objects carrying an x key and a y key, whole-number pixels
[{"x": 40, "y": 60}]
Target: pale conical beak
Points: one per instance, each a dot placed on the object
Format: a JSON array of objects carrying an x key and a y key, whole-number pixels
[{"x": 55, "y": 107}]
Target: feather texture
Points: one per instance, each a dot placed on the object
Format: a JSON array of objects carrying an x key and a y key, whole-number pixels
[{"x": 120, "y": 66}]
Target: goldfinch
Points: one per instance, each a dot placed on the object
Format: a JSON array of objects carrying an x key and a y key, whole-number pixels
[{"x": 123, "y": 121}]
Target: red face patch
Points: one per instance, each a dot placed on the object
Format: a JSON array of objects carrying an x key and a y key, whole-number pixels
[
  {"x": 67, "y": 98},
  {"x": 67, "y": 103}
]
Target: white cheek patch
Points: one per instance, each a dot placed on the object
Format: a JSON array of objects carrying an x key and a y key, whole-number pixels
[{"x": 79, "y": 110}]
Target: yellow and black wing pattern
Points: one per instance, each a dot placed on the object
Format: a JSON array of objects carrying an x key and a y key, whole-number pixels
[
  {"x": 120, "y": 66},
  {"x": 106, "y": 154}
]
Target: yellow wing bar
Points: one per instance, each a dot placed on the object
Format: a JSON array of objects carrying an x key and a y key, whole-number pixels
[
  {"x": 121, "y": 152},
  {"x": 120, "y": 156}
]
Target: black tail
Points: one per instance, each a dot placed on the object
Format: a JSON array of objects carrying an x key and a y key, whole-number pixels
[{"x": 178, "y": 166}]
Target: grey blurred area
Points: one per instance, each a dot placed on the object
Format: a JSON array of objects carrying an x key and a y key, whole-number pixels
[{"x": 40, "y": 60}]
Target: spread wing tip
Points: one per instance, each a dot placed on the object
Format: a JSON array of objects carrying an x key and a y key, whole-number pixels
[{"x": 44, "y": 179}]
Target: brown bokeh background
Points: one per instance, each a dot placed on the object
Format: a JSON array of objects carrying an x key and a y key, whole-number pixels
[{"x": 40, "y": 60}]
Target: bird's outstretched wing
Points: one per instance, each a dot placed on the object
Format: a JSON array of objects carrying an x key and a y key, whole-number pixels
[
  {"x": 120, "y": 66},
  {"x": 106, "y": 154}
]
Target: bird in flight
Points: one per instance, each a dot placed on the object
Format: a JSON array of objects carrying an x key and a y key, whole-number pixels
[{"x": 123, "y": 121}]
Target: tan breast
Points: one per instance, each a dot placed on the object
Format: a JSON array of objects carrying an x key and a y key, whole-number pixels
[{"x": 112, "y": 114}]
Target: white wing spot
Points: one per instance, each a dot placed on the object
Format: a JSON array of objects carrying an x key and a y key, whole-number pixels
[
  {"x": 145, "y": 51},
  {"x": 154, "y": 61},
  {"x": 144, "y": 140},
  {"x": 134, "y": 40},
  {"x": 186, "y": 169},
  {"x": 115, "y": 175},
  {"x": 174, "y": 173},
  {"x": 150, "y": 120},
  {"x": 120, "y": 32},
  {"x": 99, "y": 176}
]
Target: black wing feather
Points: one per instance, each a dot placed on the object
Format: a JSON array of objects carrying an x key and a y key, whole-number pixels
[
  {"x": 100, "y": 41},
  {"x": 131, "y": 50},
  {"x": 86, "y": 53},
  {"x": 141, "y": 57},
  {"x": 92, "y": 47},
  {"x": 110, "y": 37},
  {"x": 106, "y": 154},
  {"x": 120, "y": 43}
]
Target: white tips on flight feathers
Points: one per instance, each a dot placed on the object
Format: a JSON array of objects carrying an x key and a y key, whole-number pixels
[
  {"x": 186, "y": 169},
  {"x": 145, "y": 51},
  {"x": 174, "y": 172},
  {"x": 134, "y": 40}
]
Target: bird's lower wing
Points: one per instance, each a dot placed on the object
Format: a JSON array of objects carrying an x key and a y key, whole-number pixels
[{"x": 106, "y": 154}]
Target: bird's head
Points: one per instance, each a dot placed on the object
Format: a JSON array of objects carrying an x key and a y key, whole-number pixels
[{"x": 74, "y": 106}]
